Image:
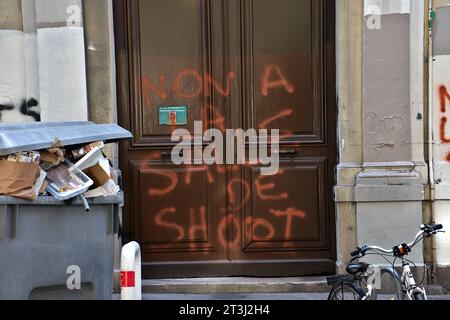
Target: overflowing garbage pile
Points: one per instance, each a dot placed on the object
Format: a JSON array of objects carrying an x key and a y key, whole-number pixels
[{"x": 61, "y": 172}]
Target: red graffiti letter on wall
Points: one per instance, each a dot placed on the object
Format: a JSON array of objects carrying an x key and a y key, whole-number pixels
[
  {"x": 268, "y": 83},
  {"x": 218, "y": 120},
  {"x": 237, "y": 203},
  {"x": 222, "y": 231},
  {"x": 198, "y": 227},
  {"x": 172, "y": 176},
  {"x": 290, "y": 214},
  {"x": 444, "y": 138},
  {"x": 159, "y": 220},
  {"x": 283, "y": 114},
  {"x": 225, "y": 92},
  {"x": 178, "y": 84},
  {"x": 251, "y": 226},
  {"x": 148, "y": 87},
  {"x": 444, "y": 96},
  {"x": 260, "y": 188}
]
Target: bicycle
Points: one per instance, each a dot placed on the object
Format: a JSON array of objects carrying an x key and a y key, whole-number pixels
[{"x": 359, "y": 283}]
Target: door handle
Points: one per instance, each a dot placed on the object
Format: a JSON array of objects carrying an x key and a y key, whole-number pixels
[
  {"x": 288, "y": 152},
  {"x": 166, "y": 155}
]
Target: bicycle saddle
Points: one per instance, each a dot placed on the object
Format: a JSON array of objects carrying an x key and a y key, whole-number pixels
[{"x": 356, "y": 268}]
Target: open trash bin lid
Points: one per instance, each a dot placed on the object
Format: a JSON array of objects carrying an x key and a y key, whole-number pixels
[{"x": 41, "y": 135}]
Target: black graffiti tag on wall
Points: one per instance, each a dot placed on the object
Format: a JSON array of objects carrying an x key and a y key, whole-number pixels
[
  {"x": 6, "y": 107},
  {"x": 27, "y": 108}
]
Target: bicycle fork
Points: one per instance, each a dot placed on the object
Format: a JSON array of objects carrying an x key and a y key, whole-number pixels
[{"x": 409, "y": 283}]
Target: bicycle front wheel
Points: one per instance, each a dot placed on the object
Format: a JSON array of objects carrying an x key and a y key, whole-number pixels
[
  {"x": 418, "y": 296},
  {"x": 346, "y": 291}
]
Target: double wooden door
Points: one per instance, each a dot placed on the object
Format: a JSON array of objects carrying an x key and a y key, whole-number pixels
[{"x": 232, "y": 64}]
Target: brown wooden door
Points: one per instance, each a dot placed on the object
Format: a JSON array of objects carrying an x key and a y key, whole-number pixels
[{"x": 262, "y": 64}]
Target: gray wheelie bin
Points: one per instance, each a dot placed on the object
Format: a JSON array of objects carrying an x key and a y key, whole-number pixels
[{"x": 49, "y": 246}]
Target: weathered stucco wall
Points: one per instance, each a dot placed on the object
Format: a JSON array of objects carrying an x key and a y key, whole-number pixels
[
  {"x": 392, "y": 188},
  {"x": 12, "y": 61},
  {"x": 387, "y": 83},
  {"x": 11, "y": 15},
  {"x": 349, "y": 90},
  {"x": 100, "y": 60},
  {"x": 62, "y": 68},
  {"x": 440, "y": 97},
  {"x": 385, "y": 7},
  {"x": 42, "y": 61}
]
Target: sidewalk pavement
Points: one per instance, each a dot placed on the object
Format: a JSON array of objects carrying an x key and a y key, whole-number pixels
[{"x": 258, "y": 297}]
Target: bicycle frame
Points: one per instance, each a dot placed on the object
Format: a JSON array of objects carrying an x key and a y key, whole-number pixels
[
  {"x": 409, "y": 283},
  {"x": 371, "y": 285},
  {"x": 371, "y": 281},
  {"x": 405, "y": 283}
]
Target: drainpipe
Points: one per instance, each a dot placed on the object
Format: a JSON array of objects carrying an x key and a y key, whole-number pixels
[
  {"x": 430, "y": 100},
  {"x": 430, "y": 139}
]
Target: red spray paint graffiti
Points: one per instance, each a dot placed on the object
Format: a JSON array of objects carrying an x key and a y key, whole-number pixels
[
  {"x": 283, "y": 114},
  {"x": 253, "y": 225},
  {"x": 190, "y": 84},
  {"x": 199, "y": 84},
  {"x": 217, "y": 122},
  {"x": 173, "y": 181},
  {"x": 444, "y": 96},
  {"x": 160, "y": 221},
  {"x": 269, "y": 83},
  {"x": 199, "y": 227},
  {"x": 239, "y": 193},
  {"x": 261, "y": 188},
  {"x": 148, "y": 88},
  {"x": 290, "y": 214},
  {"x": 178, "y": 84},
  {"x": 443, "y": 126}
]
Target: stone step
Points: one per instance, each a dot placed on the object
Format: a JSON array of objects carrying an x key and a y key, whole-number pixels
[{"x": 236, "y": 285}]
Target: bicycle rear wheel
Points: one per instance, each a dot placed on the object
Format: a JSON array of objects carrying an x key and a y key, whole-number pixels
[{"x": 345, "y": 291}]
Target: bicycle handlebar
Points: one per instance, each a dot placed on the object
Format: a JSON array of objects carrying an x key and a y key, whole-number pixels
[
  {"x": 425, "y": 229},
  {"x": 431, "y": 227},
  {"x": 356, "y": 253}
]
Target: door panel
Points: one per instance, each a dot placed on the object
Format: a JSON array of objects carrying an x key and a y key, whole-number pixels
[
  {"x": 170, "y": 65},
  {"x": 262, "y": 64},
  {"x": 287, "y": 212},
  {"x": 173, "y": 59},
  {"x": 177, "y": 212},
  {"x": 283, "y": 42}
]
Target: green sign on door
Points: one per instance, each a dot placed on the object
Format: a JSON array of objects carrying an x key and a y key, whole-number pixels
[{"x": 173, "y": 115}]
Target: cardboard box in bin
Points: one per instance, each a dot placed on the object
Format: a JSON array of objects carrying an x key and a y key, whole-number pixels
[
  {"x": 98, "y": 175},
  {"x": 95, "y": 166}
]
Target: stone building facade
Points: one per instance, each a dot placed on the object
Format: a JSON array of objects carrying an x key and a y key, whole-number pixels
[{"x": 58, "y": 63}]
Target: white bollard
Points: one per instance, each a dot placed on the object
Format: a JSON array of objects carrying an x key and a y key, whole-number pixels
[{"x": 130, "y": 272}]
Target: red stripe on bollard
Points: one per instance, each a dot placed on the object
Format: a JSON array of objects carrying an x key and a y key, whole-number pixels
[{"x": 127, "y": 279}]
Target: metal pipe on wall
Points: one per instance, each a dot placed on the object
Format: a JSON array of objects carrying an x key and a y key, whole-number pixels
[{"x": 432, "y": 181}]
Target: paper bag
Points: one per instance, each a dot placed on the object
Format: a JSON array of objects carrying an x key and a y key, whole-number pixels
[{"x": 17, "y": 179}]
